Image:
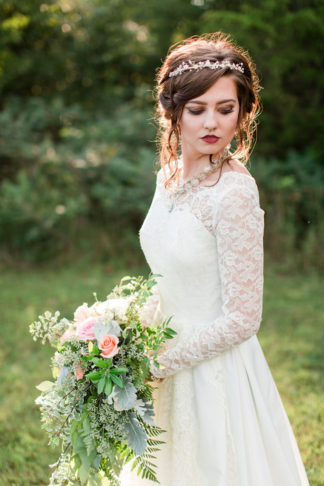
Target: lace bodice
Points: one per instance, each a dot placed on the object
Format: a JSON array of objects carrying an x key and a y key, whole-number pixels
[{"x": 207, "y": 242}]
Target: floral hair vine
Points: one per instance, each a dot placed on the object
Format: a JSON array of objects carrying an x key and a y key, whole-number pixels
[{"x": 195, "y": 66}]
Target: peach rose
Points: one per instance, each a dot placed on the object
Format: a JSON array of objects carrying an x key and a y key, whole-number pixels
[
  {"x": 108, "y": 346},
  {"x": 84, "y": 329},
  {"x": 82, "y": 313}
]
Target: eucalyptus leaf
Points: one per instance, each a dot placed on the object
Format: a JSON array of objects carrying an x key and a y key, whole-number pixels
[
  {"x": 136, "y": 435},
  {"x": 146, "y": 411},
  {"x": 63, "y": 375},
  {"x": 125, "y": 398}
]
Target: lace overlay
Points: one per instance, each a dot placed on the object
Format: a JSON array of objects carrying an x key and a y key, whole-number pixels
[{"x": 236, "y": 221}]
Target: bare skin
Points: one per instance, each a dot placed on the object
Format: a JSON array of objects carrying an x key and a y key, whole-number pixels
[{"x": 214, "y": 113}]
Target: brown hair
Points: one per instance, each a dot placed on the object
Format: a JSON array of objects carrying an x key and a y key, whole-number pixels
[{"x": 172, "y": 93}]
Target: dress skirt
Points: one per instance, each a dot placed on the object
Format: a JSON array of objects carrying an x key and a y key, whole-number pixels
[{"x": 225, "y": 426}]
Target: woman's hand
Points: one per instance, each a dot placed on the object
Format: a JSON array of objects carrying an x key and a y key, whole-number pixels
[{"x": 151, "y": 378}]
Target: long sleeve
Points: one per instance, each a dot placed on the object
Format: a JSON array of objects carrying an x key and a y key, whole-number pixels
[{"x": 238, "y": 230}]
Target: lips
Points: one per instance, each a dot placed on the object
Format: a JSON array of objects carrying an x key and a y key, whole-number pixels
[{"x": 210, "y": 139}]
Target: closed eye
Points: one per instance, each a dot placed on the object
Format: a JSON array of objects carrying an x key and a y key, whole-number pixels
[
  {"x": 223, "y": 111},
  {"x": 195, "y": 112}
]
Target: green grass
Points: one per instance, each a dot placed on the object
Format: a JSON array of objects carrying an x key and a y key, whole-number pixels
[{"x": 291, "y": 336}]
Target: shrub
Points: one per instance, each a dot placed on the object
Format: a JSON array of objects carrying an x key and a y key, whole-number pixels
[{"x": 292, "y": 195}]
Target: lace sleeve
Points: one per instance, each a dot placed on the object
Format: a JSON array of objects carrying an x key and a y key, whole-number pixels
[{"x": 238, "y": 229}]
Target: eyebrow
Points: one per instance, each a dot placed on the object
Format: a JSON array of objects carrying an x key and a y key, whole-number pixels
[{"x": 218, "y": 103}]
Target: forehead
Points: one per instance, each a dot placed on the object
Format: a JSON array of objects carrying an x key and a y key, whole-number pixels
[{"x": 223, "y": 89}]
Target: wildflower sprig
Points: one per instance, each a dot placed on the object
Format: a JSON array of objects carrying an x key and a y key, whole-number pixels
[{"x": 100, "y": 406}]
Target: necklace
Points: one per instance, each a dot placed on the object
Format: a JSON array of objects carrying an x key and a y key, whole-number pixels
[{"x": 195, "y": 180}]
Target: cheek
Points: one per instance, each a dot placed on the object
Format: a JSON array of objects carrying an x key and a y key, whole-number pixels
[
  {"x": 187, "y": 124},
  {"x": 231, "y": 123}
]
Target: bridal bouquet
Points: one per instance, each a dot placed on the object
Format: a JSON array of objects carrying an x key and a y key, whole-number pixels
[{"x": 99, "y": 409}]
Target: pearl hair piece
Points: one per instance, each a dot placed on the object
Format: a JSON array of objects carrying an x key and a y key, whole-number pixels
[{"x": 194, "y": 66}]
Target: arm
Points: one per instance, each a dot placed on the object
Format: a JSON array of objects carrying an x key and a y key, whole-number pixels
[{"x": 238, "y": 228}]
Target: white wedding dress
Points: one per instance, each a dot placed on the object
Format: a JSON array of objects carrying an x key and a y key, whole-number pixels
[{"x": 224, "y": 420}]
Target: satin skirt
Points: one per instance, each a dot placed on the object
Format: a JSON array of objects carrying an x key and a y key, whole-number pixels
[{"x": 225, "y": 426}]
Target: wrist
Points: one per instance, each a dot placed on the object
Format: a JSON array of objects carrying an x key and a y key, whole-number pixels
[{"x": 157, "y": 372}]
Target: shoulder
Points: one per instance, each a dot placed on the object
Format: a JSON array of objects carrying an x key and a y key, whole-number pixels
[
  {"x": 234, "y": 178},
  {"x": 234, "y": 165},
  {"x": 238, "y": 196},
  {"x": 235, "y": 182},
  {"x": 159, "y": 181}
]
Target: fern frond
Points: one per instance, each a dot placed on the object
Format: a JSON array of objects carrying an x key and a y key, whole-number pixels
[
  {"x": 145, "y": 469},
  {"x": 110, "y": 475},
  {"x": 152, "y": 442}
]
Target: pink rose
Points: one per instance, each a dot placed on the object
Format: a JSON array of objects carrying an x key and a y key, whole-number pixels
[
  {"x": 79, "y": 372},
  {"x": 82, "y": 313},
  {"x": 108, "y": 346},
  {"x": 69, "y": 333},
  {"x": 84, "y": 329}
]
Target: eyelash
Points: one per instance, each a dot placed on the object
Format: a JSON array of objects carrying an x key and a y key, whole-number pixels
[{"x": 224, "y": 112}]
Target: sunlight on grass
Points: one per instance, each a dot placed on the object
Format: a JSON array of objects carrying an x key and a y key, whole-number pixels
[{"x": 291, "y": 336}]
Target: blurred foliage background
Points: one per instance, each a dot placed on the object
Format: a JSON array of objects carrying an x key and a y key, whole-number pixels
[
  {"x": 77, "y": 161},
  {"x": 77, "y": 133}
]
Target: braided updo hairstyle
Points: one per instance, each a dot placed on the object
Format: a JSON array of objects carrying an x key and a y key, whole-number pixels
[{"x": 172, "y": 93}]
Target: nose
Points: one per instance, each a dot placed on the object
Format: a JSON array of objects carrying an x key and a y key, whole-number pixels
[{"x": 210, "y": 120}]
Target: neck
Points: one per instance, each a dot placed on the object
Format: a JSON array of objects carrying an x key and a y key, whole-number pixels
[{"x": 192, "y": 166}]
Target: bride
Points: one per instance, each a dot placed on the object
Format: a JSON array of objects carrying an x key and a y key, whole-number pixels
[{"x": 224, "y": 422}]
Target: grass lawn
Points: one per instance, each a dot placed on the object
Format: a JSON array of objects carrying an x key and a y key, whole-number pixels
[{"x": 291, "y": 335}]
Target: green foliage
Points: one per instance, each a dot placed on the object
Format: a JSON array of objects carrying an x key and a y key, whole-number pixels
[
  {"x": 76, "y": 137},
  {"x": 97, "y": 404},
  {"x": 284, "y": 39},
  {"x": 76, "y": 180},
  {"x": 292, "y": 194}
]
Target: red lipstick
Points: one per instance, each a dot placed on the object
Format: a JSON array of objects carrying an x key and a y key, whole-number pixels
[{"x": 210, "y": 139}]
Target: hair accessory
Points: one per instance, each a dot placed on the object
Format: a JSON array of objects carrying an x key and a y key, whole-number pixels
[{"x": 195, "y": 66}]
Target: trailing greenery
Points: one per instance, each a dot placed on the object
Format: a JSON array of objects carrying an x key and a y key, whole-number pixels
[{"x": 99, "y": 407}]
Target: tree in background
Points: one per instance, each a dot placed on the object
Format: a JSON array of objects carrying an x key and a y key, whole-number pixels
[{"x": 76, "y": 128}]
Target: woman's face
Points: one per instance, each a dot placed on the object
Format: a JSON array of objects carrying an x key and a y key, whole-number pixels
[{"x": 208, "y": 122}]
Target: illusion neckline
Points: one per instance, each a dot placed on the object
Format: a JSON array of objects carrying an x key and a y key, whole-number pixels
[{"x": 240, "y": 174}]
